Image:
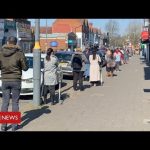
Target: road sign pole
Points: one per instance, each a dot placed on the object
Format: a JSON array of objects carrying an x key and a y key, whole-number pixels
[{"x": 72, "y": 47}]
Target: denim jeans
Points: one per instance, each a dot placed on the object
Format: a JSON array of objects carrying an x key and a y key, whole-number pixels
[{"x": 8, "y": 88}]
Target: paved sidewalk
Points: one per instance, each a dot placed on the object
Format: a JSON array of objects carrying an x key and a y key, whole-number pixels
[{"x": 121, "y": 104}]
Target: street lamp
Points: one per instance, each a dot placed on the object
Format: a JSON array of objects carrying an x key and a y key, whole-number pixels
[
  {"x": 46, "y": 35},
  {"x": 37, "y": 64}
]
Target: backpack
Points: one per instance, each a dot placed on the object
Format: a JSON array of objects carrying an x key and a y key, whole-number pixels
[{"x": 77, "y": 62}]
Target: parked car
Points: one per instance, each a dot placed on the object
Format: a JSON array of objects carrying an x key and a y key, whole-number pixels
[
  {"x": 64, "y": 58},
  {"x": 27, "y": 76}
]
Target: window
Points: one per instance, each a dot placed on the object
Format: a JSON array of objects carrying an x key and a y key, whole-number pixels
[
  {"x": 66, "y": 57},
  {"x": 30, "y": 62}
]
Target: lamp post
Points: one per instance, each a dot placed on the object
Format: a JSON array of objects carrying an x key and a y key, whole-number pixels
[
  {"x": 37, "y": 65},
  {"x": 46, "y": 35}
]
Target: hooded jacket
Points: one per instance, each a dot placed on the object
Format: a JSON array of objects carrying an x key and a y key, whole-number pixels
[{"x": 12, "y": 62}]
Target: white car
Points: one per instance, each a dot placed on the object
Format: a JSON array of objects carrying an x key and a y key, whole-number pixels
[{"x": 27, "y": 76}]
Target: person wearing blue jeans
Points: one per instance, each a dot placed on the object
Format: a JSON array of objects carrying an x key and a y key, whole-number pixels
[{"x": 12, "y": 62}]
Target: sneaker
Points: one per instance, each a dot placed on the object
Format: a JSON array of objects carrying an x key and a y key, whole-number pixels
[
  {"x": 82, "y": 89},
  {"x": 15, "y": 127},
  {"x": 4, "y": 128}
]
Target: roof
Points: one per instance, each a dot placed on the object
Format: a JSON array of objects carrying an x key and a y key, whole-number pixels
[{"x": 43, "y": 30}]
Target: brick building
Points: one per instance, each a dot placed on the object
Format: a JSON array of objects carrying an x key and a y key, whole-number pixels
[
  {"x": 85, "y": 33},
  {"x": 60, "y": 30}
]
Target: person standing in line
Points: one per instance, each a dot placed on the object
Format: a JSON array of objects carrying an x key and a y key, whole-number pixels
[
  {"x": 117, "y": 56},
  {"x": 78, "y": 62},
  {"x": 50, "y": 75},
  {"x": 110, "y": 63},
  {"x": 12, "y": 62},
  {"x": 94, "y": 68}
]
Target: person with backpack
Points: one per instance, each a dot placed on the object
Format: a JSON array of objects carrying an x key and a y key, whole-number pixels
[
  {"x": 95, "y": 60},
  {"x": 78, "y": 62}
]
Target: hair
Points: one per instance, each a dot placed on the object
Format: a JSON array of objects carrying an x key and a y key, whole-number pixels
[
  {"x": 48, "y": 54},
  {"x": 94, "y": 55},
  {"x": 12, "y": 40}
]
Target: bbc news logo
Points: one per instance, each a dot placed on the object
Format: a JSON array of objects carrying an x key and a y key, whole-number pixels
[{"x": 10, "y": 117}]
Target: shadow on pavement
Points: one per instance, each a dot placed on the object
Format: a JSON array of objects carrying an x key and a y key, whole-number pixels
[
  {"x": 26, "y": 97},
  {"x": 147, "y": 73},
  {"x": 34, "y": 114},
  {"x": 67, "y": 89},
  {"x": 64, "y": 96},
  {"x": 68, "y": 77},
  {"x": 146, "y": 90},
  {"x": 63, "y": 84}
]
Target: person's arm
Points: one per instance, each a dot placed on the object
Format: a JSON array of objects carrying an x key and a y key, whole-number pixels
[
  {"x": 72, "y": 59},
  {"x": 99, "y": 58},
  {"x": 23, "y": 61},
  {"x": 84, "y": 58}
]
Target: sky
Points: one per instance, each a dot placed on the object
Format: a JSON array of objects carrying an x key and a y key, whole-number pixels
[{"x": 99, "y": 23}]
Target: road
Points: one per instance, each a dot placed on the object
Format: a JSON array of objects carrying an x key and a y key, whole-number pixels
[{"x": 121, "y": 104}]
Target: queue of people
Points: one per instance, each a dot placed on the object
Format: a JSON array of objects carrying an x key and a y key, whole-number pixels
[{"x": 11, "y": 83}]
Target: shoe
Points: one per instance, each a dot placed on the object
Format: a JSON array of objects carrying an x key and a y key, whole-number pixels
[
  {"x": 4, "y": 128},
  {"x": 82, "y": 89},
  {"x": 52, "y": 101},
  {"x": 15, "y": 127},
  {"x": 45, "y": 100},
  {"x": 75, "y": 89}
]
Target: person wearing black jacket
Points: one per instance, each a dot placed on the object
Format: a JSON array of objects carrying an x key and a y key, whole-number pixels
[{"x": 12, "y": 62}]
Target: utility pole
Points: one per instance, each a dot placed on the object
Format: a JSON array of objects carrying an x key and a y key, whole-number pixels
[
  {"x": 37, "y": 65},
  {"x": 46, "y": 35}
]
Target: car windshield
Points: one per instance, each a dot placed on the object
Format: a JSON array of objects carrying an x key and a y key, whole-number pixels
[
  {"x": 61, "y": 56},
  {"x": 30, "y": 62}
]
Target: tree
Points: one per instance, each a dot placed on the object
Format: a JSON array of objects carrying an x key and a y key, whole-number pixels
[
  {"x": 112, "y": 26},
  {"x": 133, "y": 31}
]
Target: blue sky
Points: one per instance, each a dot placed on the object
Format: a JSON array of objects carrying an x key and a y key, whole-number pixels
[{"x": 99, "y": 23}]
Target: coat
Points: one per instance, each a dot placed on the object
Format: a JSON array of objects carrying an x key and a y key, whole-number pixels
[
  {"x": 12, "y": 62},
  {"x": 94, "y": 68},
  {"x": 50, "y": 71}
]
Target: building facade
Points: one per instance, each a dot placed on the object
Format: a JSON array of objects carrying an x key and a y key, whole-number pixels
[
  {"x": 20, "y": 28},
  {"x": 86, "y": 34}
]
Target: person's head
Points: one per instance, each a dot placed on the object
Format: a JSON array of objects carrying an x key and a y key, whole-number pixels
[
  {"x": 12, "y": 40},
  {"x": 49, "y": 53}
]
